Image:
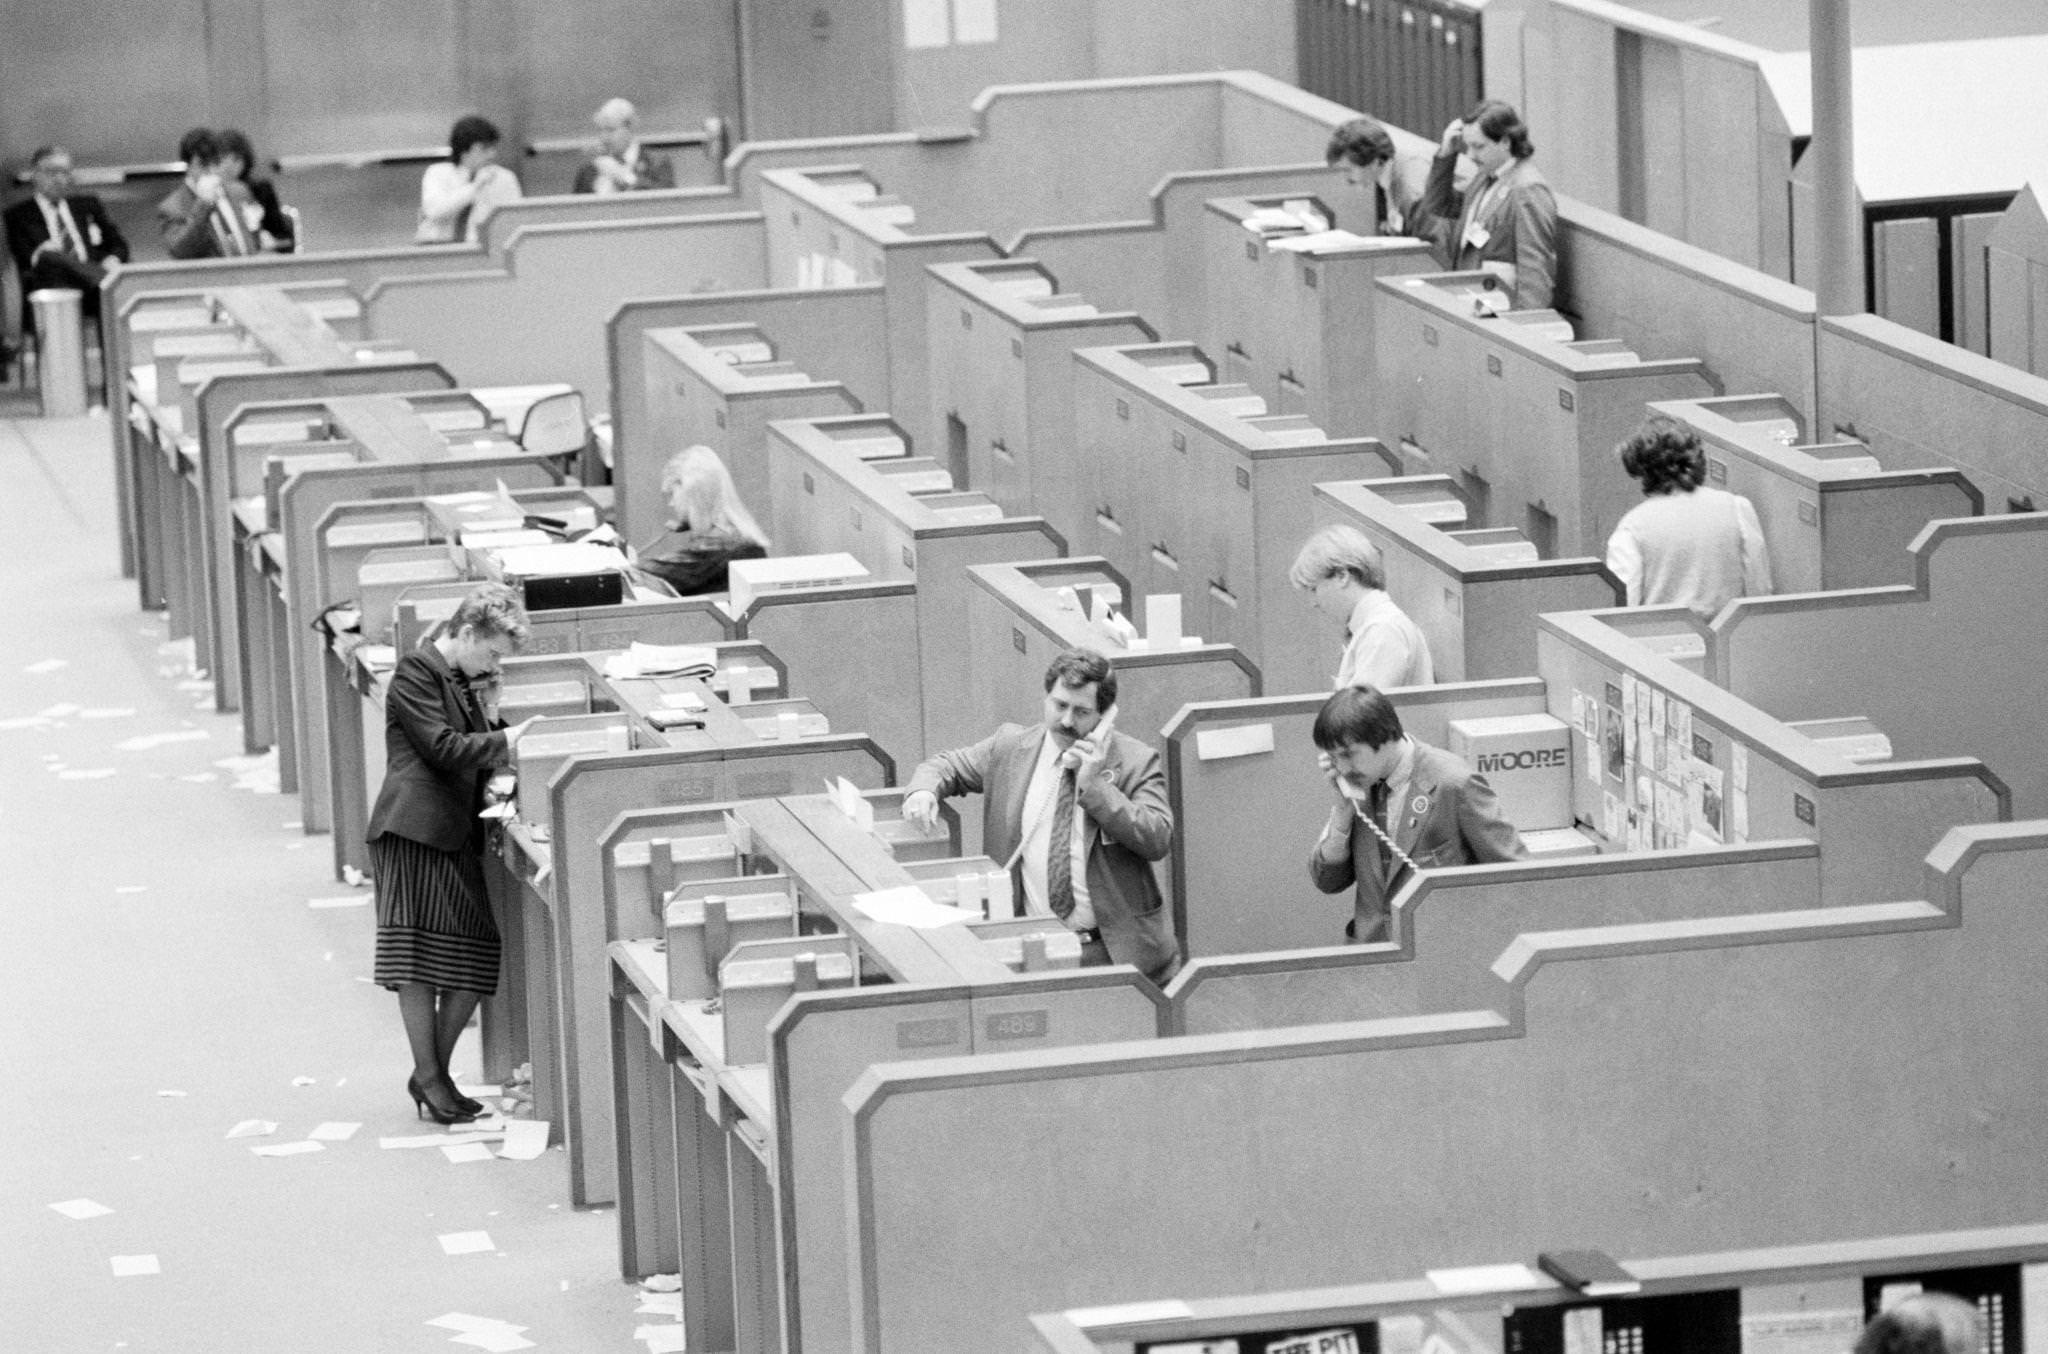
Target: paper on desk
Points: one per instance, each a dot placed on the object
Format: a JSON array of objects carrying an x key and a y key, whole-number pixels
[
  {"x": 525, "y": 1139},
  {"x": 465, "y": 1243},
  {"x": 661, "y": 1339},
  {"x": 460, "y": 1152},
  {"x": 497, "y": 1339},
  {"x": 252, "y": 1128},
  {"x": 1486, "y": 1278},
  {"x": 127, "y": 1266},
  {"x": 908, "y": 905},
  {"x": 289, "y": 1149},
  {"x": 81, "y": 1209},
  {"x": 333, "y": 1132}
]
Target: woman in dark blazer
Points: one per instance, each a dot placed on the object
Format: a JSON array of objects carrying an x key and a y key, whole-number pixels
[
  {"x": 437, "y": 944},
  {"x": 238, "y": 161}
]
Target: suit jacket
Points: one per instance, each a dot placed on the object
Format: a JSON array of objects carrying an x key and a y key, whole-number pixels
[
  {"x": 27, "y": 230},
  {"x": 188, "y": 224},
  {"x": 276, "y": 224},
  {"x": 656, "y": 171},
  {"x": 1449, "y": 816},
  {"x": 1126, "y": 819},
  {"x": 1520, "y": 223},
  {"x": 438, "y": 751}
]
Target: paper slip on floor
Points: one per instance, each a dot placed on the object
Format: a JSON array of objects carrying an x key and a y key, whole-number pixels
[
  {"x": 465, "y": 1243},
  {"x": 81, "y": 1209}
]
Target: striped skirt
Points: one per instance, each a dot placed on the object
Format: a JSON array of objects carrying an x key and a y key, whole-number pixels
[{"x": 434, "y": 922}]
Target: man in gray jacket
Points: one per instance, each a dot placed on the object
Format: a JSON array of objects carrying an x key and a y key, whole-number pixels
[{"x": 1077, "y": 811}]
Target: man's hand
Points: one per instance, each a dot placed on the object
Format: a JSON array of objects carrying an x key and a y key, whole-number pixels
[
  {"x": 518, "y": 731},
  {"x": 1454, "y": 137},
  {"x": 208, "y": 189},
  {"x": 1347, "y": 795},
  {"x": 922, "y": 808},
  {"x": 1094, "y": 752},
  {"x": 612, "y": 170}
]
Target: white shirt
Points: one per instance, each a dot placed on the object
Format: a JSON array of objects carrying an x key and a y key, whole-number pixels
[
  {"x": 63, "y": 227},
  {"x": 442, "y": 200},
  {"x": 1385, "y": 648},
  {"x": 1039, "y": 798},
  {"x": 1700, "y": 549}
]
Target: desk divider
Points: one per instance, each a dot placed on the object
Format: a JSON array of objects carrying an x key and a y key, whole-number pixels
[
  {"x": 1944, "y": 665},
  {"x": 1596, "y": 1076},
  {"x": 833, "y": 491},
  {"x": 1477, "y": 611},
  {"x": 1449, "y": 925},
  {"x": 1192, "y": 486},
  {"x": 561, "y": 281},
  {"x": 1523, "y": 414},
  {"x": 1833, "y": 518},
  {"x": 1244, "y": 771},
  {"x": 814, "y": 631},
  {"x": 1745, "y": 776},
  {"x": 830, "y": 333}
]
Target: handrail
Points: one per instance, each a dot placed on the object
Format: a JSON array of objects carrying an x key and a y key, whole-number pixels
[{"x": 556, "y": 145}]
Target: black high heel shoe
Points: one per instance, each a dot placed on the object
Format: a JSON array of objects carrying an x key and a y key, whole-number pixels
[
  {"x": 424, "y": 1108},
  {"x": 467, "y": 1104}
]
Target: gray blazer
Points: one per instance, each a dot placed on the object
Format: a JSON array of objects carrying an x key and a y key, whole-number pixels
[
  {"x": 1449, "y": 816},
  {"x": 1129, "y": 825},
  {"x": 1520, "y": 224}
]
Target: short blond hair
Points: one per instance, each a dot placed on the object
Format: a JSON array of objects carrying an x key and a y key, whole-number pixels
[{"x": 1338, "y": 550}]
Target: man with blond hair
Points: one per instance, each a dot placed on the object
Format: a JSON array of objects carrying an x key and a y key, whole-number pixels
[{"x": 621, "y": 164}]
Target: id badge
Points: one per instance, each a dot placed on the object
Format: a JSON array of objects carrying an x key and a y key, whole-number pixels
[{"x": 1477, "y": 235}]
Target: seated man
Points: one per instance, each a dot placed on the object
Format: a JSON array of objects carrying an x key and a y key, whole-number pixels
[
  {"x": 207, "y": 216},
  {"x": 59, "y": 238},
  {"x": 621, "y": 165},
  {"x": 1401, "y": 805},
  {"x": 1340, "y": 569},
  {"x": 1076, "y": 811}
]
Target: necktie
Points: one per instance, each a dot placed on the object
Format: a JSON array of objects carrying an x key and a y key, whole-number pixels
[
  {"x": 1378, "y": 804},
  {"x": 65, "y": 231},
  {"x": 234, "y": 235},
  {"x": 1059, "y": 861}
]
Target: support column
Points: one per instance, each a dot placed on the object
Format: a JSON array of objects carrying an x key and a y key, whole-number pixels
[{"x": 1838, "y": 217}]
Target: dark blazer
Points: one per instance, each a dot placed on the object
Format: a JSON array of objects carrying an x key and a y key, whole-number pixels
[
  {"x": 438, "y": 752},
  {"x": 1449, "y": 817},
  {"x": 693, "y": 562},
  {"x": 1520, "y": 224},
  {"x": 27, "y": 230},
  {"x": 1128, "y": 826},
  {"x": 276, "y": 224},
  {"x": 656, "y": 171},
  {"x": 188, "y": 224}
]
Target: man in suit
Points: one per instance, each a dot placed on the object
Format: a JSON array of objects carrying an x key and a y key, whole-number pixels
[
  {"x": 1505, "y": 223},
  {"x": 1078, "y": 813},
  {"x": 1365, "y": 152},
  {"x": 59, "y": 238},
  {"x": 209, "y": 215},
  {"x": 1401, "y": 805},
  {"x": 621, "y": 164}
]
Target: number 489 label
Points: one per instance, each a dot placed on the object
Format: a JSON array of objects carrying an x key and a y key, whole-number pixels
[{"x": 1321, "y": 1342}]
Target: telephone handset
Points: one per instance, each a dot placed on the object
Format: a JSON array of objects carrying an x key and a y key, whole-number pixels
[{"x": 1071, "y": 759}]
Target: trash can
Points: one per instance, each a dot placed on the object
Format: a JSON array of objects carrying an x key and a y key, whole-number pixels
[{"x": 60, "y": 350}]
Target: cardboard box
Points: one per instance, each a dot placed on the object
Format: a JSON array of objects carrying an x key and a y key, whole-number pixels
[{"x": 1527, "y": 759}]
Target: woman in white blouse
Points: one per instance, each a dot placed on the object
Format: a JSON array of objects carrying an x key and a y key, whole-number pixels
[
  {"x": 1686, "y": 544},
  {"x": 457, "y": 193}
]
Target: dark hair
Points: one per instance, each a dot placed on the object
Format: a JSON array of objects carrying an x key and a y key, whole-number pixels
[
  {"x": 199, "y": 147},
  {"x": 233, "y": 142},
  {"x": 1926, "y": 1323},
  {"x": 1500, "y": 122},
  {"x": 1356, "y": 714},
  {"x": 1080, "y": 667},
  {"x": 45, "y": 152},
  {"x": 491, "y": 610},
  {"x": 1666, "y": 456},
  {"x": 468, "y": 131},
  {"x": 1360, "y": 141}
]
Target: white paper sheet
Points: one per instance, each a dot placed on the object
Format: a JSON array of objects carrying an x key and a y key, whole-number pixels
[
  {"x": 908, "y": 905},
  {"x": 127, "y": 1266},
  {"x": 461, "y": 1152},
  {"x": 525, "y": 1139},
  {"x": 333, "y": 1131},
  {"x": 81, "y": 1209},
  {"x": 289, "y": 1149},
  {"x": 465, "y": 1243}
]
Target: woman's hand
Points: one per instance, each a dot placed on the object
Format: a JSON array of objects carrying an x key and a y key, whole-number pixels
[{"x": 518, "y": 731}]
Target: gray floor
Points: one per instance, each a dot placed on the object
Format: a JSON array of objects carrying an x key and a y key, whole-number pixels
[{"x": 155, "y": 936}]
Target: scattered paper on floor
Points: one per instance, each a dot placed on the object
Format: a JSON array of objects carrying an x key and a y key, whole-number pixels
[
  {"x": 495, "y": 1340},
  {"x": 47, "y": 665},
  {"x": 96, "y": 773},
  {"x": 81, "y": 1209},
  {"x": 126, "y": 1266},
  {"x": 289, "y": 1149},
  {"x": 333, "y": 1132},
  {"x": 661, "y": 1339},
  {"x": 460, "y": 1152},
  {"x": 464, "y": 1323},
  {"x": 144, "y": 742},
  {"x": 252, "y": 1128},
  {"x": 660, "y": 1304},
  {"x": 525, "y": 1139},
  {"x": 465, "y": 1243},
  {"x": 352, "y": 900}
]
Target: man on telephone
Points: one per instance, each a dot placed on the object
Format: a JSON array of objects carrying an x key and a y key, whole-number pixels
[
  {"x": 1401, "y": 805},
  {"x": 1077, "y": 811}
]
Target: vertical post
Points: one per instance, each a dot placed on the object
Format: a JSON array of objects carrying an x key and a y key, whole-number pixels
[{"x": 1838, "y": 223}]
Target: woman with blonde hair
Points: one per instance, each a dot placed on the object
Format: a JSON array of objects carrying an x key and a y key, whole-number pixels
[{"x": 710, "y": 526}]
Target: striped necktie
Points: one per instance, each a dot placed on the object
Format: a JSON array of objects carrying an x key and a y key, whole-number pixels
[{"x": 1059, "y": 858}]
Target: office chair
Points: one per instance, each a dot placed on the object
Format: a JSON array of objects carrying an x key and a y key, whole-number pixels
[{"x": 558, "y": 428}]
